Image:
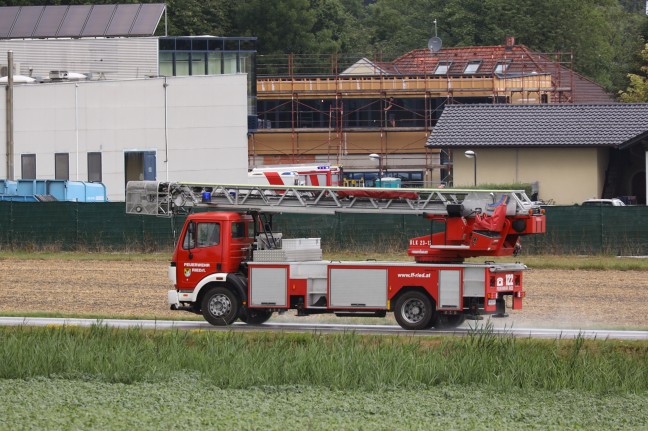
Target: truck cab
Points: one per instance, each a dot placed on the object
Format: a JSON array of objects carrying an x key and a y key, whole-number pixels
[{"x": 210, "y": 243}]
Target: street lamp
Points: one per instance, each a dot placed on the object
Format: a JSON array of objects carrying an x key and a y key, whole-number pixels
[
  {"x": 378, "y": 157},
  {"x": 471, "y": 155}
]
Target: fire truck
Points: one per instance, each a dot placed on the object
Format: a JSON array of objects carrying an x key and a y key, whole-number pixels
[{"x": 229, "y": 264}]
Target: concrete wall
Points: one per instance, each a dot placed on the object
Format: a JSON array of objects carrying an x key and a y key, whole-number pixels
[
  {"x": 565, "y": 175},
  {"x": 196, "y": 126}
]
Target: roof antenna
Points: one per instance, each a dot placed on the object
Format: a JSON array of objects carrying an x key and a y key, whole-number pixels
[{"x": 434, "y": 44}]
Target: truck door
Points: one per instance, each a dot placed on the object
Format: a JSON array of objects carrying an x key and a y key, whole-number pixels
[{"x": 200, "y": 254}]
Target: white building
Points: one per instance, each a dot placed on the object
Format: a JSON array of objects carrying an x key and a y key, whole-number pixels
[{"x": 191, "y": 128}]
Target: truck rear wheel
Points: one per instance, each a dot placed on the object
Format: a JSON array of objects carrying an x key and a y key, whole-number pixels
[
  {"x": 414, "y": 311},
  {"x": 255, "y": 317},
  {"x": 220, "y": 306}
]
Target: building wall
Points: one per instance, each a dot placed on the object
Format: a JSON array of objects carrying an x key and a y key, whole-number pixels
[
  {"x": 564, "y": 175},
  {"x": 196, "y": 126},
  {"x": 105, "y": 58}
]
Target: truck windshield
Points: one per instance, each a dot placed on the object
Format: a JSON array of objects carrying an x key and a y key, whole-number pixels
[{"x": 207, "y": 235}]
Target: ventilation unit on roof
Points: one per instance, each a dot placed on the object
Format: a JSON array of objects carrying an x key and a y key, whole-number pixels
[{"x": 58, "y": 75}]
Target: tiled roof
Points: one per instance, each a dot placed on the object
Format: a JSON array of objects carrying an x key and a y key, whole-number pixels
[
  {"x": 540, "y": 125},
  {"x": 519, "y": 60}
]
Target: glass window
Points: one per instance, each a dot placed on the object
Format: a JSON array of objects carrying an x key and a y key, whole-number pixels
[
  {"x": 199, "y": 44},
  {"x": 166, "y": 64},
  {"x": 198, "y": 63},
  {"x": 94, "y": 167},
  {"x": 215, "y": 44},
  {"x": 167, "y": 44},
  {"x": 229, "y": 62},
  {"x": 61, "y": 166},
  {"x": 28, "y": 166},
  {"x": 214, "y": 66},
  {"x": 207, "y": 235},
  {"x": 442, "y": 68},
  {"x": 472, "y": 67},
  {"x": 183, "y": 44},
  {"x": 182, "y": 64},
  {"x": 239, "y": 230},
  {"x": 501, "y": 67}
]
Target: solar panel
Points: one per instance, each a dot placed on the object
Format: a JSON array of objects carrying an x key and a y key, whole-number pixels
[
  {"x": 98, "y": 20},
  {"x": 19, "y": 22},
  {"x": 123, "y": 19},
  {"x": 74, "y": 21},
  {"x": 26, "y": 22},
  {"x": 50, "y": 21},
  {"x": 7, "y": 17},
  {"x": 147, "y": 20}
]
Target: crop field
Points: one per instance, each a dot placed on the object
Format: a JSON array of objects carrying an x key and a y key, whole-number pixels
[{"x": 103, "y": 378}]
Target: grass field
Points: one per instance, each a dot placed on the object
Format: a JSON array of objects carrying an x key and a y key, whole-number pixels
[{"x": 103, "y": 378}]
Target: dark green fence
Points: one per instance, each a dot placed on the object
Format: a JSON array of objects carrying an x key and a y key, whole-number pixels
[{"x": 105, "y": 226}]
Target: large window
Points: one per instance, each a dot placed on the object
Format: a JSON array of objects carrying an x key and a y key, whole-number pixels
[
  {"x": 94, "y": 167},
  {"x": 28, "y": 166},
  {"x": 61, "y": 166},
  {"x": 205, "y": 235}
]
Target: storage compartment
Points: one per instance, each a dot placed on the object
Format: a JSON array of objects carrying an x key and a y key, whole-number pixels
[
  {"x": 449, "y": 290},
  {"x": 268, "y": 286},
  {"x": 358, "y": 288}
]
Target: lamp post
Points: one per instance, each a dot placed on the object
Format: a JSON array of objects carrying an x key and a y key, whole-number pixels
[
  {"x": 471, "y": 155},
  {"x": 374, "y": 156}
]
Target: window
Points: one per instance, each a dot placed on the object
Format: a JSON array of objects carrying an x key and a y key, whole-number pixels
[
  {"x": 238, "y": 230},
  {"x": 501, "y": 67},
  {"x": 472, "y": 66},
  {"x": 207, "y": 235},
  {"x": 61, "y": 166},
  {"x": 442, "y": 68},
  {"x": 28, "y": 166},
  {"x": 94, "y": 167}
]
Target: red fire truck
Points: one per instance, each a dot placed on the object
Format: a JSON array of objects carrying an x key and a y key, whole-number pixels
[{"x": 228, "y": 264}]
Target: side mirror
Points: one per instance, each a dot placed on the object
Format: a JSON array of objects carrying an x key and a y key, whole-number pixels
[{"x": 191, "y": 233}]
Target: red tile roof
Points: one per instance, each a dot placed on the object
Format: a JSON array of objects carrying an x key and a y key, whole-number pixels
[{"x": 569, "y": 85}]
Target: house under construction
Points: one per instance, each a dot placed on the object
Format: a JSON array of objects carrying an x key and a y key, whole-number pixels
[{"x": 341, "y": 110}]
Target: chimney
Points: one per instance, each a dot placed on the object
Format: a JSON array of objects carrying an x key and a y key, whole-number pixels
[{"x": 510, "y": 41}]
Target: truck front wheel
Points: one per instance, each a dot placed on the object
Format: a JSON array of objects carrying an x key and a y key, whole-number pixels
[
  {"x": 220, "y": 306},
  {"x": 414, "y": 311}
]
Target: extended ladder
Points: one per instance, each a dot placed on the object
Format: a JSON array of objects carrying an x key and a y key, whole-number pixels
[{"x": 168, "y": 198}]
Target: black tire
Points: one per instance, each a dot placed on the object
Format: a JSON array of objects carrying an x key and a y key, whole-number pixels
[
  {"x": 414, "y": 311},
  {"x": 255, "y": 317},
  {"x": 449, "y": 321},
  {"x": 220, "y": 306}
]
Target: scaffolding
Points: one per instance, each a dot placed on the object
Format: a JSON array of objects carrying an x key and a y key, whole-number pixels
[{"x": 322, "y": 99}]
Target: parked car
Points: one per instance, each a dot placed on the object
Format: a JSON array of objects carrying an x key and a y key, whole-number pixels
[{"x": 603, "y": 202}]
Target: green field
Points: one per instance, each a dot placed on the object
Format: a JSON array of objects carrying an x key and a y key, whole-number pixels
[{"x": 103, "y": 378}]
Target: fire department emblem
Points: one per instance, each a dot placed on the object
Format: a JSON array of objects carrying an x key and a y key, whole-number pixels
[{"x": 187, "y": 272}]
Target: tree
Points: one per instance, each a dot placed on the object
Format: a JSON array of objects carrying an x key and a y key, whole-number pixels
[{"x": 637, "y": 91}]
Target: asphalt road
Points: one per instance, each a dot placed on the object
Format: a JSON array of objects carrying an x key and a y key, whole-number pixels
[{"x": 328, "y": 328}]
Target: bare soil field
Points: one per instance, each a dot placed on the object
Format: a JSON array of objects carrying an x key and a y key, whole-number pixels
[{"x": 554, "y": 298}]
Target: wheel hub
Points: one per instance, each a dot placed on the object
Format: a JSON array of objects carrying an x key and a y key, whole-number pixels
[
  {"x": 413, "y": 311},
  {"x": 220, "y": 305}
]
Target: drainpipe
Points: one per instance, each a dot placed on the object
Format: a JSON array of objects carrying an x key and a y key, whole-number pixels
[{"x": 9, "y": 111}]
